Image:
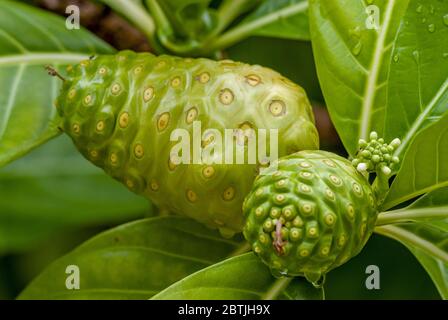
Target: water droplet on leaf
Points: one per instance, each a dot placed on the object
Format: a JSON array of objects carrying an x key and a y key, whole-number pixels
[
  {"x": 419, "y": 8},
  {"x": 396, "y": 58},
  {"x": 445, "y": 19},
  {"x": 432, "y": 28},
  {"x": 357, "y": 48}
]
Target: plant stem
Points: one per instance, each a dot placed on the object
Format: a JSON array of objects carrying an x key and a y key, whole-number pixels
[
  {"x": 400, "y": 235},
  {"x": 138, "y": 16},
  {"x": 228, "y": 11},
  {"x": 244, "y": 30},
  {"x": 397, "y": 216},
  {"x": 159, "y": 16},
  {"x": 277, "y": 288}
]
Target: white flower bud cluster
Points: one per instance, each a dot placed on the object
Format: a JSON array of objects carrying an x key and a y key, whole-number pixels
[{"x": 376, "y": 156}]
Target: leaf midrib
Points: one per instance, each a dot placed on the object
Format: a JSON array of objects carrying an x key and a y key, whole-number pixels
[
  {"x": 41, "y": 58},
  {"x": 370, "y": 87}
]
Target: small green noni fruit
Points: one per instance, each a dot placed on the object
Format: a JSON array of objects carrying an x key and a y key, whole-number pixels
[
  {"x": 309, "y": 215},
  {"x": 120, "y": 110}
]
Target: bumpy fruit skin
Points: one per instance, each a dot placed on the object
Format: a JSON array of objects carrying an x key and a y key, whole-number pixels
[
  {"x": 120, "y": 111},
  {"x": 310, "y": 215}
]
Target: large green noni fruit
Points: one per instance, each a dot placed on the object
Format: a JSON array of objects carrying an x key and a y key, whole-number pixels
[
  {"x": 309, "y": 215},
  {"x": 120, "y": 111}
]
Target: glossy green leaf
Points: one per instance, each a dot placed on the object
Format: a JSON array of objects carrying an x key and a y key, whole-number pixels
[
  {"x": 30, "y": 39},
  {"x": 418, "y": 79},
  {"x": 134, "y": 261},
  {"x": 431, "y": 214},
  {"x": 433, "y": 205},
  {"x": 427, "y": 241},
  {"x": 55, "y": 188},
  {"x": 240, "y": 278},
  {"x": 353, "y": 60},
  {"x": 425, "y": 165},
  {"x": 291, "y": 23}
]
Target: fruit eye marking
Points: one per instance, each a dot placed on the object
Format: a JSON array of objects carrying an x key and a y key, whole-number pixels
[
  {"x": 208, "y": 172},
  {"x": 305, "y": 164},
  {"x": 312, "y": 232},
  {"x": 263, "y": 238},
  {"x": 277, "y": 108},
  {"x": 229, "y": 194},
  {"x": 297, "y": 222},
  {"x": 362, "y": 230},
  {"x": 275, "y": 213},
  {"x": 329, "y": 163},
  {"x": 304, "y": 253},
  {"x": 123, "y": 121},
  {"x": 357, "y": 189},
  {"x": 102, "y": 71},
  {"x": 139, "y": 151},
  {"x": 130, "y": 183},
  {"x": 295, "y": 234},
  {"x": 71, "y": 94},
  {"x": 192, "y": 114},
  {"x": 259, "y": 192},
  {"x": 161, "y": 64},
  {"x": 100, "y": 126},
  {"x": 280, "y": 198},
  {"x": 154, "y": 185},
  {"x": 192, "y": 196},
  {"x": 253, "y": 80},
  {"x": 304, "y": 188},
  {"x": 325, "y": 251},
  {"x": 113, "y": 158},
  {"x": 329, "y": 194},
  {"x": 116, "y": 88},
  {"x": 351, "y": 211},
  {"x": 259, "y": 212},
  {"x": 306, "y": 175},
  {"x": 148, "y": 94},
  {"x": 280, "y": 183},
  {"x": 76, "y": 128},
  {"x": 307, "y": 208},
  {"x": 163, "y": 121},
  {"x": 121, "y": 58},
  {"x": 336, "y": 180},
  {"x": 94, "y": 154},
  {"x": 226, "y": 96},
  {"x": 171, "y": 165},
  {"x": 330, "y": 219},
  {"x": 204, "y": 77},
  {"x": 138, "y": 70},
  {"x": 342, "y": 239},
  {"x": 88, "y": 99},
  {"x": 268, "y": 226},
  {"x": 175, "y": 82}
]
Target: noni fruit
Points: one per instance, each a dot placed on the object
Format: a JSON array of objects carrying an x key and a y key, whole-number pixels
[
  {"x": 121, "y": 111},
  {"x": 309, "y": 215}
]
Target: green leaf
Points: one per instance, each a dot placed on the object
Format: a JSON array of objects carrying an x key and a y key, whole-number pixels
[
  {"x": 55, "y": 188},
  {"x": 427, "y": 241},
  {"x": 425, "y": 165},
  {"x": 431, "y": 206},
  {"x": 418, "y": 79},
  {"x": 30, "y": 39},
  {"x": 291, "y": 22},
  {"x": 240, "y": 278},
  {"x": 284, "y": 18},
  {"x": 353, "y": 62},
  {"x": 134, "y": 261}
]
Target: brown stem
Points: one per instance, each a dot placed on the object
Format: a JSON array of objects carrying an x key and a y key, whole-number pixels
[{"x": 52, "y": 72}]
